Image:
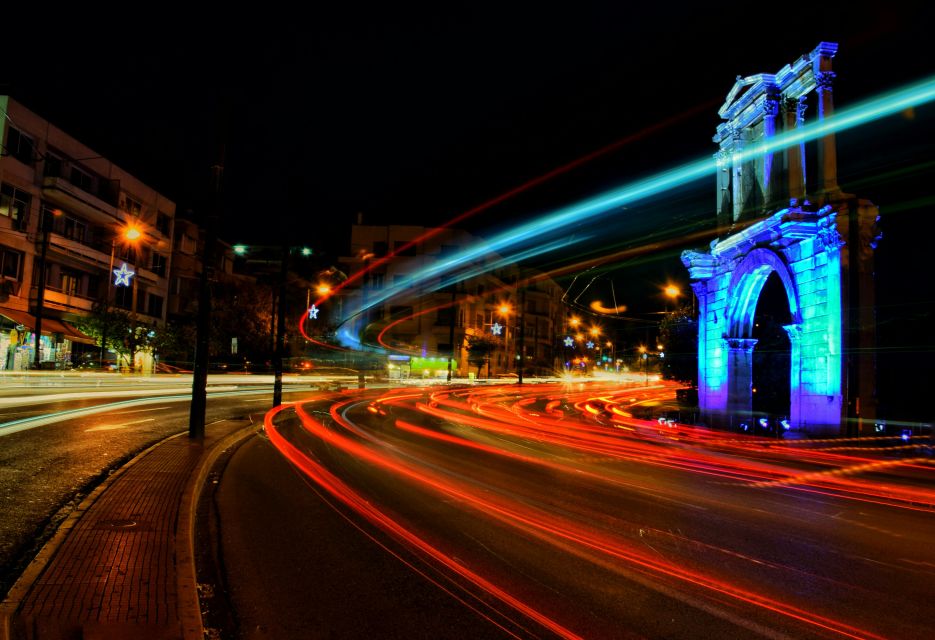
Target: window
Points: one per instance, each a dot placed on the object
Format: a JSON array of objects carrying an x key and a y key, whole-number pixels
[
  {"x": 187, "y": 244},
  {"x": 163, "y": 222},
  {"x": 376, "y": 280},
  {"x": 132, "y": 206},
  {"x": 155, "y": 306},
  {"x": 71, "y": 281},
  {"x": 409, "y": 251},
  {"x": 380, "y": 248},
  {"x": 159, "y": 264},
  {"x": 20, "y": 146},
  {"x": 14, "y": 204},
  {"x": 81, "y": 179},
  {"x": 10, "y": 262},
  {"x": 75, "y": 229},
  {"x": 53, "y": 166},
  {"x": 444, "y": 317},
  {"x": 399, "y": 279},
  {"x": 123, "y": 297},
  {"x": 94, "y": 286}
]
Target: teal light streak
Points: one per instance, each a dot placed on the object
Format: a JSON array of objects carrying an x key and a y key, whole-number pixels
[{"x": 861, "y": 114}]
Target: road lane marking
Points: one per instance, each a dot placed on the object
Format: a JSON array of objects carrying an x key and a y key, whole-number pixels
[
  {"x": 120, "y": 413},
  {"x": 111, "y": 427}
]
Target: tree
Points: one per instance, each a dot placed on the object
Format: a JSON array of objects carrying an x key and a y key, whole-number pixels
[
  {"x": 678, "y": 332},
  {"x": 116, "y": 330},
  {"x": 479, "y": 349}
]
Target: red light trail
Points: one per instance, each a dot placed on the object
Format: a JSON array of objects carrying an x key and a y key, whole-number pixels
[{"x": 580, "y": 433}]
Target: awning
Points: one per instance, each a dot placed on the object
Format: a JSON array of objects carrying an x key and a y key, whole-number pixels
[
  {"x": 75, "y": 335},
  {"x": 19, "y": 317},
  {"x": 50, "y": 326}
]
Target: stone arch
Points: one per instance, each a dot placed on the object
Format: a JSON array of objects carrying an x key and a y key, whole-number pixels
[{"x": 746, "y": 285}]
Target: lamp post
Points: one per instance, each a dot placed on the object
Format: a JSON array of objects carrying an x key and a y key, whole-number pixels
[
  {"x": 644, "y": 363},
  {"x": 129, "y": 234},
  {"x": 504, "y": 309},
  {"x": 672, "y": 292}
]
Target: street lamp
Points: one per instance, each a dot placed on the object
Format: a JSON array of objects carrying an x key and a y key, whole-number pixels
[
  {"x": 130, "y": 235},
  {"x": 504, "y": 309},
  {"x": 673, "y": 292}
]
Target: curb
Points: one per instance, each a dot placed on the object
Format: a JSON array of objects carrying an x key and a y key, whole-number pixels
[
  {"x": 189, "y": 607},
  {"x": 187, "y": 580}
]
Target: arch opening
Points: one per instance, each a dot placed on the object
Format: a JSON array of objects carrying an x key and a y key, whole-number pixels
[{"x": 772, "y": 355}]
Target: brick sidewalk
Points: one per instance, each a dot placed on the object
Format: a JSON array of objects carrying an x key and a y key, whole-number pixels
[{"x": 121, "y": 565}]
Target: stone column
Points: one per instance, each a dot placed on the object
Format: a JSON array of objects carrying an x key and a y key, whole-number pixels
[
  {"x": 793, "y": 117},
  {"x": 736, "y": 167},
  {"x": 724, "y": 209},
  {"x": 771, "y": 188},
  {"x": 740, "y": 378},
  {"x": 794, "y": 331},
  {"x": 827, "y": 150}
]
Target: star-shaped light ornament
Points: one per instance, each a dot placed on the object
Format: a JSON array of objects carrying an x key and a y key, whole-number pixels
[
  {"x": 122, "y": 276},
  {"x": 569, "y": 341},
  {"x": 496, "y": 329},
  {"x": 590, "y": 344},
  {"x": 313, "y": 312}
]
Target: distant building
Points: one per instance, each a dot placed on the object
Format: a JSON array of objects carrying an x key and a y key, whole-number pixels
[
  {"x": 62, "y": 200},
  {"x": 424, "y": 321}
]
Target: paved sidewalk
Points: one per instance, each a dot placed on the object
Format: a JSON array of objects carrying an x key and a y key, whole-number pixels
[{"x": 122, "y": 564}]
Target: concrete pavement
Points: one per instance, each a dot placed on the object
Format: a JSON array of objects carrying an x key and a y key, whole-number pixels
[{"x": 122, "y": 564}]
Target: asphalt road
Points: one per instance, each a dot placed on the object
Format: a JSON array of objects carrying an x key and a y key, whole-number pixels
[{"x": 555, "y": 513}]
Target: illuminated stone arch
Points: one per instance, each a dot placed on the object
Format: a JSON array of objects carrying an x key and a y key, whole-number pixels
[
  {"x": 822, "y": 252},
  {"x": 743, "y": 293},
  {"x": 746, "y": 285}
]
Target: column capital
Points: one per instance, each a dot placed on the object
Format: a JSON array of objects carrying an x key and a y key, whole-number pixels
[
  {"x": 741, "y": 344},
  {"x": 825, "y": 80}
]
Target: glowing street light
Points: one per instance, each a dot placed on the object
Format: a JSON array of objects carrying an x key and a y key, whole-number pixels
[
  {"x": 504, "y": 308},
  {"x": 323, "y": 289},
  {"x": 672, "y": 291}
]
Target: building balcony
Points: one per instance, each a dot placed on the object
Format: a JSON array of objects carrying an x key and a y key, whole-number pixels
[
  {"x": 68, "y": 301},
  {"x": 62, "y": 192},
  {"x": 97, "y": 254}
]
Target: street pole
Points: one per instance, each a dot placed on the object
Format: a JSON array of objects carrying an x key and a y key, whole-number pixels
[
  {"x": 40, "y": 288},
  {"x": 196, "y": 419},
  {"x": 522, "y": 335},
  {"x": 451, "y": 329},
  {"x": 280, "y": 328}
]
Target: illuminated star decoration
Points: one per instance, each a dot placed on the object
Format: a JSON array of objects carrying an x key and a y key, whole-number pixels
[
  {"x": 313, "y": 312},
  {"x": 590, "y": 345},
  {"x": 569, "y": 341},
  {"x": 122, "y": 276},
  {"x": 496, "y": 329}
]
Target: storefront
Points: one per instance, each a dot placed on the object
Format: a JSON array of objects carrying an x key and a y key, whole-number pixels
[{"x": 57, "y": 344}]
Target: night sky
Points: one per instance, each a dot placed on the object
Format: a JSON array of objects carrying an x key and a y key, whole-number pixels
[{"x": 412, "y": 116}]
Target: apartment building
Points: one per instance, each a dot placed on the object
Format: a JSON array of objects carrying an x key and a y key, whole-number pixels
[
  {"x": 419, "y": 320},
  {"x": 66, "y": 215}
]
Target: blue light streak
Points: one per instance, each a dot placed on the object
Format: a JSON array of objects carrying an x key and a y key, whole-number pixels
[{"x": 868, "y": 111}]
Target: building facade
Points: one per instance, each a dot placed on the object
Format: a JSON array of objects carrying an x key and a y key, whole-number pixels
[
  {"x": 65, "y": 213},
  {"x": 424, "y": 321}
]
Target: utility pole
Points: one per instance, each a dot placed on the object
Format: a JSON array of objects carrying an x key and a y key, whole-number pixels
[
  {"x": 522, "y": 335},
  {"x": 280, "y": 328},
  {"x": 196, "y": 419},
  {"x": 44, "y": 224},
  {"x": 451, "y": 329}
]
